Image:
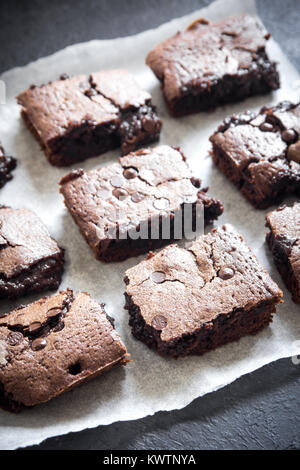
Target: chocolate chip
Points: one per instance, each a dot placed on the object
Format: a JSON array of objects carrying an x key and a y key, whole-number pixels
[
  {"x": 14, "y": 338},
  {"x": 226, "y": 273},
  {"x": 53, "y": 312},
  {"x": 159, "y": 322},
  {"x": 137, "y": 197},
  {"x": 289, "y": 136},
  {"x": 38, "y": 344},
  {"x": 120, "y": 193},
  {"x": 158, "y": 277},
  {"x": 35, "y": 326},
  {"x": 266, "y": 127},
  {"x": 161, "y": 203},
  {"x": 293, "y": 152},
  {"x": 130, "y": 173},
  {"x": 149, "y": 125},
  {"x": 117, "y": 181}
]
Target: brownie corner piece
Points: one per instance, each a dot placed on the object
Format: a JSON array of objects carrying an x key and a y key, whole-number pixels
[
  {"x": 117, "y": 206},
  {"x": 283, "y": 239},
  {"x": 52, "y": 345},
  {"x": 80, "y": 117},
  {"x": 30, "y": 259},
  {"x": 212, "y": 64},
  {"x": 7, "y": 165},
  {"x": 185, "y": 301},
  {"x": 260, "y": 152}
]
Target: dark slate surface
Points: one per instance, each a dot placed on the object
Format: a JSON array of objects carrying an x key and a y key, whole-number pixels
[{"x": 260, "y": 410}]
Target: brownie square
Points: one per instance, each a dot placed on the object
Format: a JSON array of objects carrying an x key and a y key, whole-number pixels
[
  {"x": 147, "y": 187},
  {"x": 7, "y": 165},
  {"x": 30, "y": 260},
  {"x": 53, "y": 345},
  {"x": 284, "y": 242},
  {"x": 84, "y": 116},
  {"x": 190, "y": 300},
  {"x": 212, "y": 64},
  {"x": 260, "y": 152}
]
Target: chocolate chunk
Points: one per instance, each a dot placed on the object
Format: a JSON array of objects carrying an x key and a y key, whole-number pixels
[
  {"x": 289, "y": 136},
  {"x": 34, "y": 327},
  {"x": 159, "y": 322},
  {"x": 38, "y": 344},
  {"x": 130, "y": 173},
  {"x": 158, "y": 277},
  {"x": 293, "y": 152},
  {"x": 14, "y": 338},
  {"x": 266, "y": 127},
  {"x": 137, "y": 197},
  {"x": 120, "y": 193},
  {"x": 53, "y": 312},
  {"x": 226, "y": 273}
]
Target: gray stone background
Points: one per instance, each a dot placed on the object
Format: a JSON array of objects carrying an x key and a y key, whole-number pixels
[{"x": 258, "y": 411}]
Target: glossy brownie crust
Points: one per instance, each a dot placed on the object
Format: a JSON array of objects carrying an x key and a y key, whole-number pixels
[
  {"x": 185, "y": 301},
  {"x": 30, "y": 260},
  {"x": 53, "y": 345},
  {"x": 7, "y": 165},
  {"x": 211, "y": 64},
  {"x": 149, "y": 184},
  {"x": 284, "y": 242},
  {"x": 260, "y": 153},
  {"x": 84, "y": 116}
]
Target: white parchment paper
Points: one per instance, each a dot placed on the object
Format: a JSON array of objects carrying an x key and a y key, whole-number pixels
[{"x": 149, "y": 383}]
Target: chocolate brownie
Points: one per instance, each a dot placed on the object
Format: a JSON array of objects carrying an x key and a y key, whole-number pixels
[
  {"x": 260, "y": 152},
  {"x": 211, "y": 64},
  {"x": 284, "y": 242},
  {"x": 190, "y": 300},
  {"x": 30, "y": 260},
  {"x": 53, "y": 345},
  {"x": 7, "y": 165},
  {"x": 124, "y": 209},
  {"x": 84, "y": 116}
]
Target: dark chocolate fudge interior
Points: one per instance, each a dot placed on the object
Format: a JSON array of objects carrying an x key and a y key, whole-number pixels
[
  {"x": 185, "y": 301},
  {"x": 260, "y": 152},
  {"x": 84, "y": 116},
  {"x": 53, "y": 345},
  {"x": 144, "y": 187},
  {"x": 283, "y": 239},
  {"x": 30, "y": 260},
  {"x": 7, "y": 165},
  {"x": 211, "y": 64}
]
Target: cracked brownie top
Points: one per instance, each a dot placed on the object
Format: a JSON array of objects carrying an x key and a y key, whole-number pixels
[
  {"x": 263, "y": 149},
  {"x": 98, "y": 99},
  {"x": 179, "y": 289},
  {"x": 24, "y": 241},
  {"x": 52, "y": 345},
  {"x": 205, "y": 53},
  {"x": 141, "y": 185}
]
